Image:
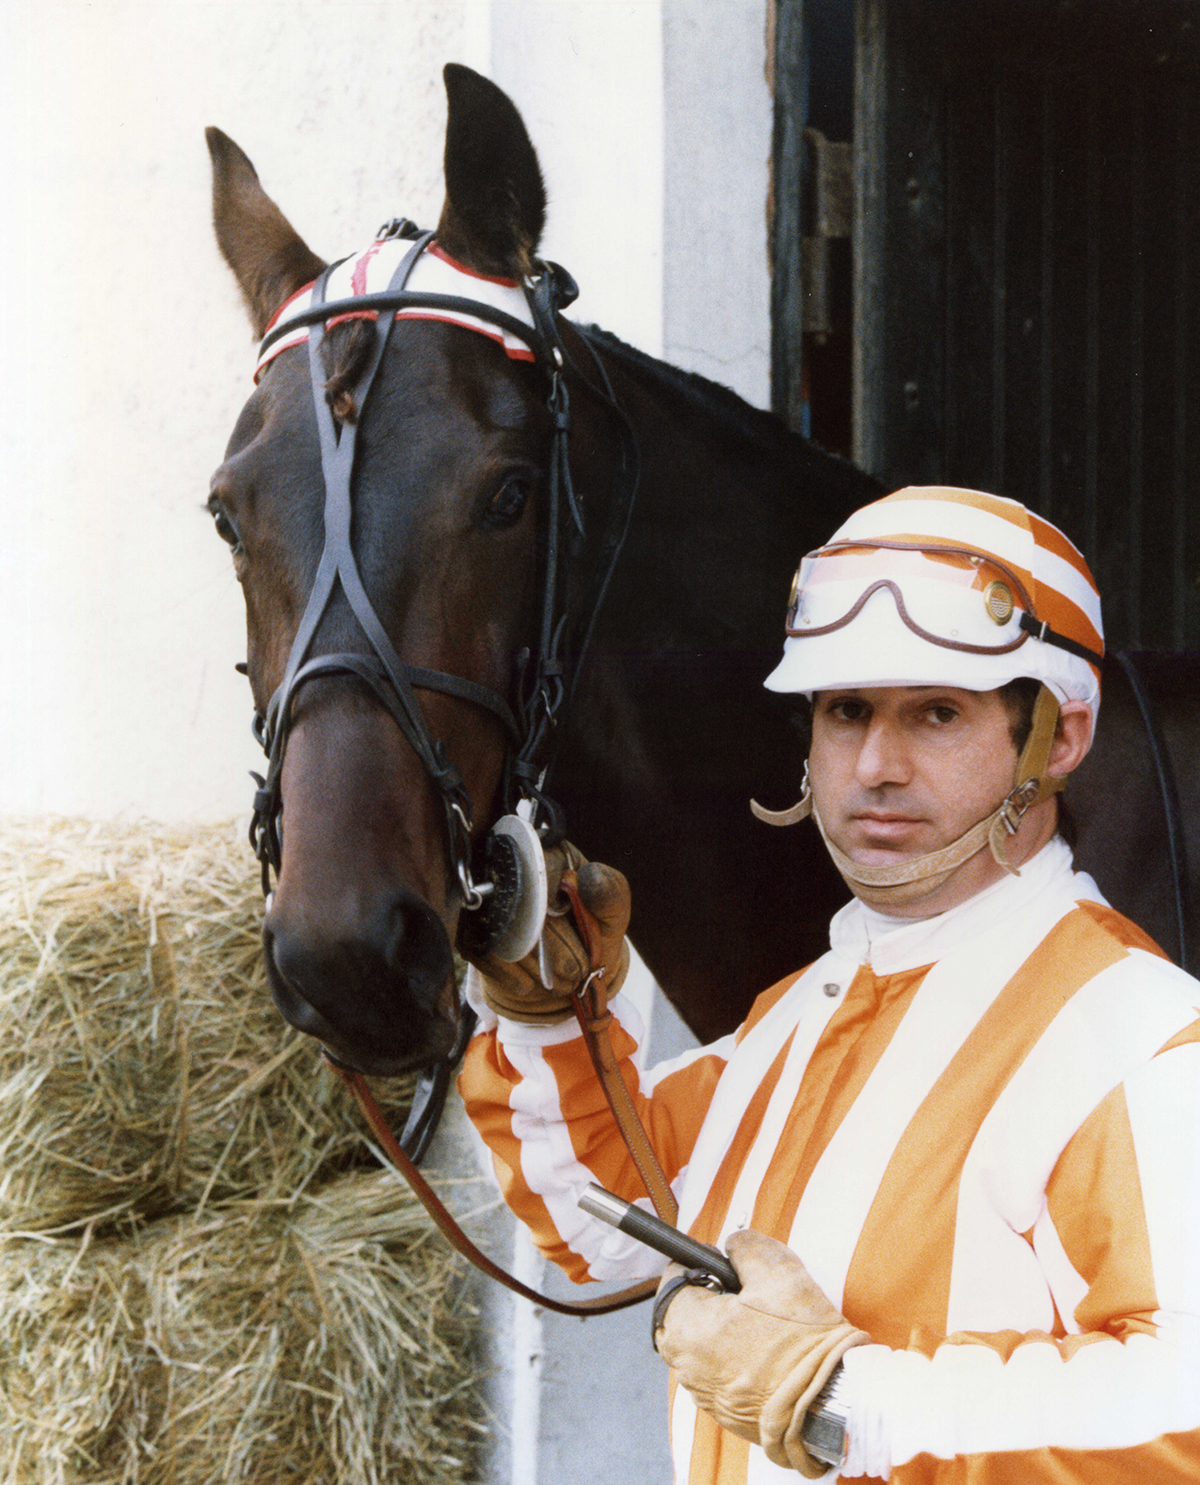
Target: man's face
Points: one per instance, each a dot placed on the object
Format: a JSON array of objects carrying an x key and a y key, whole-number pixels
[{"x": 897, "y": 771}]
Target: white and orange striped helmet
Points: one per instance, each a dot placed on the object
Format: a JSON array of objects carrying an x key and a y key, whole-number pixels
[{"x": 945, "y": 587}]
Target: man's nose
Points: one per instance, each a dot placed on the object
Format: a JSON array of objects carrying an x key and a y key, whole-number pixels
[{"x": 883, "y": 757}]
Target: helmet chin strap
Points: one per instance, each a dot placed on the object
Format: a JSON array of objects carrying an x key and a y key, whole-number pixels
[{"x": 889, "y": 887}]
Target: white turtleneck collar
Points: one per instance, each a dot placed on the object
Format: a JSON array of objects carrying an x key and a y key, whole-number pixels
[{"x": 889, "y": 945}]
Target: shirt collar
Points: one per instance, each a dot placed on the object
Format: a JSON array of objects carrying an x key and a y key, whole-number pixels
[{"x": 891, "y": 945}]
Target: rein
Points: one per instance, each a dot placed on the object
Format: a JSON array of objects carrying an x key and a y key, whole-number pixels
[
  {"x": 453, "y": 1233},
  {"x": 594, "y": 1019}
]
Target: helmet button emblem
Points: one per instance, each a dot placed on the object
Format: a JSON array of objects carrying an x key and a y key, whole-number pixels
[{"x": 998, "y": 600}]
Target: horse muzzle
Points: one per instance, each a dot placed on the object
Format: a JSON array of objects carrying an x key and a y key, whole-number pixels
[{"x": 375, "y": 988}]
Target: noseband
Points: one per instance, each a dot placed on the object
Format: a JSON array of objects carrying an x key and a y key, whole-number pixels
[{"x": 544, "y": 683}]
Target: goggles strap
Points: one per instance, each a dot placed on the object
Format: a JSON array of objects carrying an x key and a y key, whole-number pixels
[{"x": 884, "y": 886}]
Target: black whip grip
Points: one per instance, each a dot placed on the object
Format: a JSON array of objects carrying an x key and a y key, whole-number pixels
[{"x": 660, "y": 1235}]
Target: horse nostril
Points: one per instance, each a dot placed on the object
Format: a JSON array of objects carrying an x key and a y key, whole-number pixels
[
  {"x": 374, "y": 985},
  {"x": 417, "y": 947},
  {"x": 286, "y": 962}
]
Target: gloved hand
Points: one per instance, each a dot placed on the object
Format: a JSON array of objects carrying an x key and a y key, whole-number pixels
[
  {"x": 538, "y": 988},
  {"x": 757, "y": 1359}
]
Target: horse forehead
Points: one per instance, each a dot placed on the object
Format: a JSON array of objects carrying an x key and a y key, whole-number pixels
[
  {"x": 440, "y": 387},
  {"x": 448, "y": 370},
  {"x": 279, "y": 408},
  {"x": 430, "y": 369}
]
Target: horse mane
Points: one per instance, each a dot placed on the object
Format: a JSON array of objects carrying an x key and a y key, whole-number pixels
[
  {"x": 783, "y": 461},
  {"x": 706, "y": 398}
]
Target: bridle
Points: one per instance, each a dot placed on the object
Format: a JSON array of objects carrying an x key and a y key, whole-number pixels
[
  {"x": 546, "y": 676},
  {"x": 544, "y": 686}
]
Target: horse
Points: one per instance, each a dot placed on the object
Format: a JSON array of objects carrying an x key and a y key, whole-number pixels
[
  {"x": 559, "y": 578},
  {"x": 1135, "y": 799}
]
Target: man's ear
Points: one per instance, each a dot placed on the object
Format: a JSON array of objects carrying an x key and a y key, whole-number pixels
[{"x": 1072, "y": 738}]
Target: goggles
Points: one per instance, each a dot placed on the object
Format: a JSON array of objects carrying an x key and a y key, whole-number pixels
[{"x": 949, "y": 596}]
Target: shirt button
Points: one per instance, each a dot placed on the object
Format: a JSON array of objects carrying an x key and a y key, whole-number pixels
[{"x": 831, "y": 990}]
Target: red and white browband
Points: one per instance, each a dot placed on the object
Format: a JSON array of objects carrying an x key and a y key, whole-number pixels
[{"x": 433, "y": 273}]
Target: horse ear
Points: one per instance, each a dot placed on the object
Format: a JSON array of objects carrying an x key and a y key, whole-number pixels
[
  {"x": 495, "y": 200},
  {"x": 268, "y": 257}
]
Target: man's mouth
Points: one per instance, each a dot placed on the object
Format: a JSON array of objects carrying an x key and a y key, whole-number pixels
[{"x": 884, "y": 829}]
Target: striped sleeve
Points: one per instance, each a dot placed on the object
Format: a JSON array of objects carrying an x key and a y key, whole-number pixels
[
  {"x": 1113, "y": 1393},
  {"x": 533, "y": 1095}
]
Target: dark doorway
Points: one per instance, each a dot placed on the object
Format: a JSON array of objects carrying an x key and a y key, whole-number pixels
[
  {"x": 1027, "y": 239},
  {"x": 1015, "y": 306},
  {"x": 813, "y": 309}
]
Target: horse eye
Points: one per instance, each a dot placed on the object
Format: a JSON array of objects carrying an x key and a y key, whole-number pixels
[
  {"x": 226, "y": 530},
  {"x": 506, "y": 505}
]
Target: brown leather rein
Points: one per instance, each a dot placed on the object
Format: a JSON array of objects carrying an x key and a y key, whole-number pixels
[{"x": 594, "y": 1019}]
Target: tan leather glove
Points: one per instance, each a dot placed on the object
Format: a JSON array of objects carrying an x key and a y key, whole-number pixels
[
  {"x": 538, "y": 988},
  {"x": 756, "y": 1360}
]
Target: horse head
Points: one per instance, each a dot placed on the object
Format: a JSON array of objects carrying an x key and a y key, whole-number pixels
[{"x": 394, "y": 540}]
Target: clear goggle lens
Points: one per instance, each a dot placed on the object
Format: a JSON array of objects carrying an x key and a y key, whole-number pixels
[{"x": 948, "y": 595}]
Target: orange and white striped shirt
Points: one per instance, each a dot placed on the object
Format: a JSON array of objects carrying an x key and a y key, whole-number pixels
[{"x": 980, "y": 1132}]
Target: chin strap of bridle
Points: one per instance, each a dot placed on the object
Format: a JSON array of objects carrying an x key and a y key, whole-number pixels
[{"x": 881, "y": 886}]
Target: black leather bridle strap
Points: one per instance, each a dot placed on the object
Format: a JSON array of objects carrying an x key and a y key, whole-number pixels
[
  {"x": 546, "y": 676},
  {"x": 337, "y": 465},
  {"x": 375, "y": 675},
  {"x": 391, "y": 679}
]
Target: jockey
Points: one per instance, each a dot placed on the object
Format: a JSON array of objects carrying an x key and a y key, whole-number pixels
[{"x": 956, "y": 1161}]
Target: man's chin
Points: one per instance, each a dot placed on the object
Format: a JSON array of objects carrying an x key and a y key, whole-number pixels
[{"x": 878, "y": 853}]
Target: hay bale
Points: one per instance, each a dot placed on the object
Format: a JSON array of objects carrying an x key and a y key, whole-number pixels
[
  {"x": 322, "y": 1344},
  {"x": 203, "y": 1276},
  {"x": 143, "y": 1067}
]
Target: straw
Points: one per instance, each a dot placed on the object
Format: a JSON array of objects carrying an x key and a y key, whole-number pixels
[
  {"x": 204, "y": 1277},
  {"x": 326, "y": 1343},
  {"x": 143, "y": 1067}
]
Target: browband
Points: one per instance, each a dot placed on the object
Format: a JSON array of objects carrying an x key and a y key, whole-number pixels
[
  {"x": 367, "y": 306},
  {"x": 433, "y": 286}
]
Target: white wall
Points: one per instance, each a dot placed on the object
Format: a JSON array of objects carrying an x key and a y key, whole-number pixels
[
  {"x": 128, "y": 356},
  {"x": 716, "y": 183},
  {"x": 590, "y": 92}
]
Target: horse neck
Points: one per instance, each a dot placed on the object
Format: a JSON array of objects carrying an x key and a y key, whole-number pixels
[
  {"x": 670, "y": 730},
  {"x": 728, "y": 501}
]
